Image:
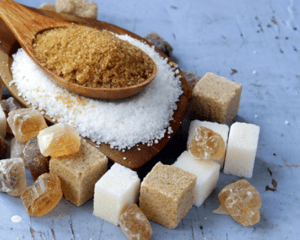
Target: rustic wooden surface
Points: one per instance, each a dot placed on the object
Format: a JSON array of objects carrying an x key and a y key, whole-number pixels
[{"x": 135, "y": 158}]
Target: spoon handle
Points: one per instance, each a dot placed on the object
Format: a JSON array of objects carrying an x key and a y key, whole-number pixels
[{"x": 24, "y": 23}]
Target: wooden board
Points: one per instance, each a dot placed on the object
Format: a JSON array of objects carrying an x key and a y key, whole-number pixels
[{"x": 134, "y": 158}]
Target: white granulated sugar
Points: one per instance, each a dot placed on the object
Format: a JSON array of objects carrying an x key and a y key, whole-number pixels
[{"x": 120, "y": 123}]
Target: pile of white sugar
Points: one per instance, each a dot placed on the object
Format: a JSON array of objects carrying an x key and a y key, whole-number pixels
[{"x": 121, "y": 123}]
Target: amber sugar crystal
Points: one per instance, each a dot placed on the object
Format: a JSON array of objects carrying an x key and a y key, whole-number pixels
[
  {"x": 242, "y": 201},
  {"x": 92, "y": 58},
  {"x": 26, "y": 123},
  {"x": 43, "y": 195},
  {"x": 207, "y": 144},
  {"x": 134, "y": 224}
]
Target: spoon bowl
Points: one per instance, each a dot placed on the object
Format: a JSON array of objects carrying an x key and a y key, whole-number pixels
[{"x": 26, "y": 24}]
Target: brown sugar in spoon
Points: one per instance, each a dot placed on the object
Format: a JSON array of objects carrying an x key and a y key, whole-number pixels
[{"x": 26, "y": 24}]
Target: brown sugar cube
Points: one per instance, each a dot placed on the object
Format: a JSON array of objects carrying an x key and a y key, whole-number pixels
[
  {"x": 26, "y": 123},
  {"x": 9, "y": 105},
  {"x": 47, "y": 6},
  {"x": 134, "y": 224},
  {"x": 160, "y": 43},
  {"x": 3, "y": 147},
  {"x": 215, "y": 99},
  {"x": 37, "y": 163},
  {"x": 167, "y": 194},
  {"x": 80, "y": 8},
  {"x": 191, "y": 78},
  {"x": 242, "y": 201},
  {"x": 79, "y": 172}
]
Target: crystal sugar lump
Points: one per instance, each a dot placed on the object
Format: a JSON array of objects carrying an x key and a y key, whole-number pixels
[
  {"x": 115, "y": 192},
  {"x": 206, "y": 144},
  {"x": 160, "y": 43},
  {"x": 167, "y": 194},
  {"x": 58, "y": 140},
  {"x": 191, "y": 78},
  {"x": 16, "y": 149},
  {"x": 9, "y": 105},
  {"x": 242, "y": 201},
  {"x": 80, "y": 8},
  {"x": 79, "y": 172},
  {"x": 26, "y": 123},
  {"x": 43, "y": 195},
  {"x": 215, "y": 99},
  {"x": 221, "y": 129},
  {"x": 207, "y": 173},
  {"x": 12, "y": 176},
  {"x": 3, "y": 147},
  {"x": 37, "y": 163},
  {"x": 134, "y": 224},
  {"x": 2, "y": 123},
  {"x": 241, "y": 149},
  {"x": 47, "y": 6}
]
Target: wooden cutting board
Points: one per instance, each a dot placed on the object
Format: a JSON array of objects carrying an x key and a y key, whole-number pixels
[{"x": 134, "y": 158}]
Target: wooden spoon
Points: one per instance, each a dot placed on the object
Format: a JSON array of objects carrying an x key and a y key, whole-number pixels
[{"x": 25, "y": 24}]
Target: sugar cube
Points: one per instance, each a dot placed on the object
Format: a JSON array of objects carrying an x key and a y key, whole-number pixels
[
  {"x": 207, "y": 173},
  {"x": 222, "y": 129},
  {"x": 26, "y": 123},
  {"x": 79, "y": 172},
  {"x": 242, "y": 201},
  {"x": 16, "y": 149},
  {"x": 241, "y": 150},
  {"x": 2, "y": 123},
  {"x": 80, "y": 8},
  {"x": 115, "y": 192},
  {"x": 58, "y": 140},
  {"x": 9, "y": 105},
  {"x": 215, "y": 99},
  {"x": 167, "y": 194},
  {"x": 12, "y": 176},
  {"x": 160, "y": 43},
  {"x": 42, "y": 196},
  {"x": 134, "y": 224},
  {"x": 3, "y": 147},
  {"x": 37, "y": 163},
  {"x": 191, "y": 78}
]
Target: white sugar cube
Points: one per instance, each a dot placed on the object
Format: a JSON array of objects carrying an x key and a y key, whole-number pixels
[
  {"x": 221, "y": 129},
  {"x": 114, "y": 192},
  {"x": 241, "y": 150},
  {"x": 207, "y": 173},
  {"x": 2, "y": 122}
]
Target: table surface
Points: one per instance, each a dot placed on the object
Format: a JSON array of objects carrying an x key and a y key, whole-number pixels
[{"x": 256, "y": 43}]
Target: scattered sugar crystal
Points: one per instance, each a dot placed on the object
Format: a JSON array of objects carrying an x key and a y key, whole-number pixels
[
  {"x": 139, "y": 149},
  {"x": 221, "y": 129},
  {"x": 97, "y": 119},
  {"x": 124, "y": 158},
  {"x": 80, "y": 8},
  {"x": 241, "y": 149},
  {"x": 26, "y": 123},
  {"x": 206, "y": 144},
  {"x": 47, "y": 6},
  {"x": 134, "y": 224},
  {"x": 254, "y": 72},
  {"x": 37, "y": 163},
  {"x": 12, "y": 176},
  {"x": 215, "y": 99},
  {"x": 167, "y": 194},
  {"x": 220, "y": 210},
  {"x": 58, "y": 140},
  {"x": 2, "y": 123},
  {"x": 79, "y": 172},
  {"x": 160, "y": 43},
  {"x": 286, "y": 122},
  {"x": 16, "y": 219},
  {"x": 255, "y": 116},
  {"x": 43, "y": 195},
  {"x": 207, "y": 173},
  {"x": 3, "y": 147},
  {"x": 254, "y": 52},
  {"x": 115, "y": 192},
  {"x": 16, "y": 149},
  {"x": 191, "y": 78},
  {"x": 242, "y": 201}
]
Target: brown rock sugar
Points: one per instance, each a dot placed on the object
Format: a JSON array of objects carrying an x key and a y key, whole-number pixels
[{"x": 92, "y": 58}]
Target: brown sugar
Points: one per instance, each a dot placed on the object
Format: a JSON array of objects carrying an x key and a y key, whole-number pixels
[{"x": 92, "y": 58}]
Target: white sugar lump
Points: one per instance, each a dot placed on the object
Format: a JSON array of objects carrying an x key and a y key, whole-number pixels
[
  {"x": 2, "y": 122},
  {"x": 221, "y": 129},
  {"x": 207, "y": 173},
  {"x": 121, "y": 123},
  {"x": 116, "y": 190},
  {"x": 241, "y": 149}
]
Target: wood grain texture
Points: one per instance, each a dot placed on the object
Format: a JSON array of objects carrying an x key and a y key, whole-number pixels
[{"x": 134, "y": 158}]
